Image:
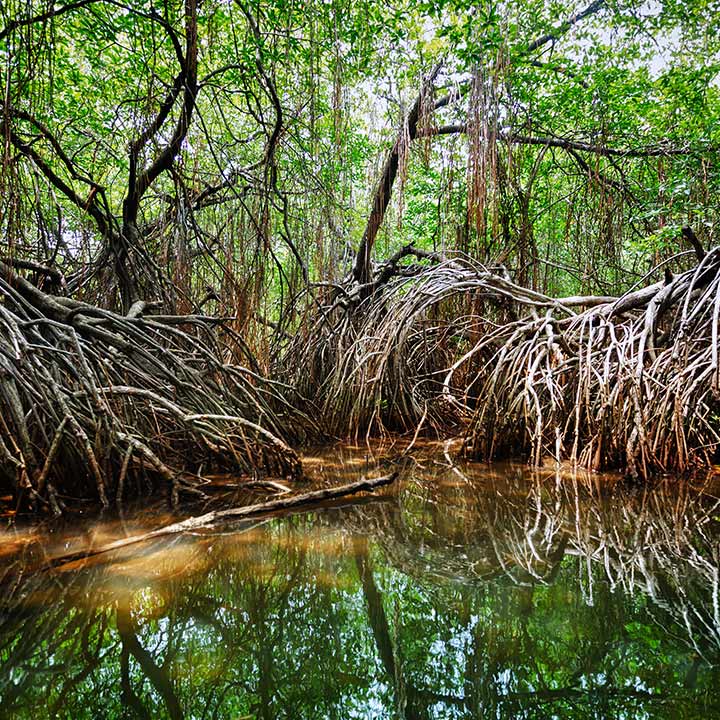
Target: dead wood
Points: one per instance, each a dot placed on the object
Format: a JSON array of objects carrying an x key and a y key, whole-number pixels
[{"x": 305, "y": 500}]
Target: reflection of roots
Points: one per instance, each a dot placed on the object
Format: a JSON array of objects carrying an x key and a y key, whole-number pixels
[
  {"x": 93, "y": 403},
  {"x": 628, "y": 382},
  {"x": 517, "y": 528}
]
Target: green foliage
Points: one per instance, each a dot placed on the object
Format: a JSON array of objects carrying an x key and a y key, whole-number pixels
[{"x": 335, "y": 78}]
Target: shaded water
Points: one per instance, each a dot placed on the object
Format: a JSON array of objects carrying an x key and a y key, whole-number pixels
[{"x": 469, "y": 591}]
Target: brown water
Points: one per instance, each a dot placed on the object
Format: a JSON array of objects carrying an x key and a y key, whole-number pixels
[{"x": 469, "y": 591}]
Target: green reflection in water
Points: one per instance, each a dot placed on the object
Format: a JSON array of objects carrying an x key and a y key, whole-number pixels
[{"x": 475, "y": 592}]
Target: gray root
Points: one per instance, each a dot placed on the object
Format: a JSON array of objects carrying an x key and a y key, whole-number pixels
[
  {"x": 93, "y": 403},
  {"x": 630, "y": 383}
]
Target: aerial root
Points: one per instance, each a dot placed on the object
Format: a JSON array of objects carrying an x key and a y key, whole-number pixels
[
  {"x": 630, "y": 382},
  {"x": 95, "y": 404}
]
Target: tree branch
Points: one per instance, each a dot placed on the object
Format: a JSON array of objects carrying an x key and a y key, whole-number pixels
[
  {"x": 577, "y": 145},
  {"x": 88, "y": 205},
  {"x": 42, "y": 17},
  {"x": 561, "y": 29},
  {"x": 187, "y": 79},
  {"x": 381, "y": 200}
]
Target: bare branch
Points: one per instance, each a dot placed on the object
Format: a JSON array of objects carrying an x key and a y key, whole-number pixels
[
  {"x": 42, "y": 17},
  {"x": 577, "y": 145},
  {"x": 561, "y": 29}
]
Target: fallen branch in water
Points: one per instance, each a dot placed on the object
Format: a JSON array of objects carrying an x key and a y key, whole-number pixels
[{"x": 202, "y": 521}]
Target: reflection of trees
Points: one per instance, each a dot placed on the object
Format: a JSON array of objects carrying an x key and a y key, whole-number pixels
[
  {"x": 157, "y": 675},
  {"x": 511, "y": 550},
  {"x": 509, "y": 595},
  {"x": 251, "y": 630}
]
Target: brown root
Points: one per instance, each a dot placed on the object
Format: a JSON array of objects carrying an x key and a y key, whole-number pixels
[
  {"x": 94, "y": 404},
  {"x": 630, "y": 382}
]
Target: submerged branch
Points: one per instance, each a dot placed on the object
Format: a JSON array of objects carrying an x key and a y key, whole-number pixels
[{"x": 305, "y": 500}]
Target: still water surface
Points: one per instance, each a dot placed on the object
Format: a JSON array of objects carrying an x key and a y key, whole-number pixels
[{"x": 470, "y": 591}]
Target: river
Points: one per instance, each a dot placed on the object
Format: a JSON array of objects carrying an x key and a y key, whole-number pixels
[{"x": 467, "y": 591}]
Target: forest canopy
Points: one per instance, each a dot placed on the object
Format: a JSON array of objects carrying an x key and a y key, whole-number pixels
[{"x": 185, "y": 152}]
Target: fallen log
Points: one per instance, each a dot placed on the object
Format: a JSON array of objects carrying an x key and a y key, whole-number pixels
[{"x": 213, "y": 517}]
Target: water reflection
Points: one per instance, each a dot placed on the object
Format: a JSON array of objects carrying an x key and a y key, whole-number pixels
[{"x": 477, "y": 592}]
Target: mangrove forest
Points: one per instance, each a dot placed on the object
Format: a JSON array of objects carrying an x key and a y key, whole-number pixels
[{"x": 359, "y": 359}]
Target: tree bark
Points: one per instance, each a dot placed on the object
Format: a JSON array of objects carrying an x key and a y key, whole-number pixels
[{"x": 381, "y": 199}]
